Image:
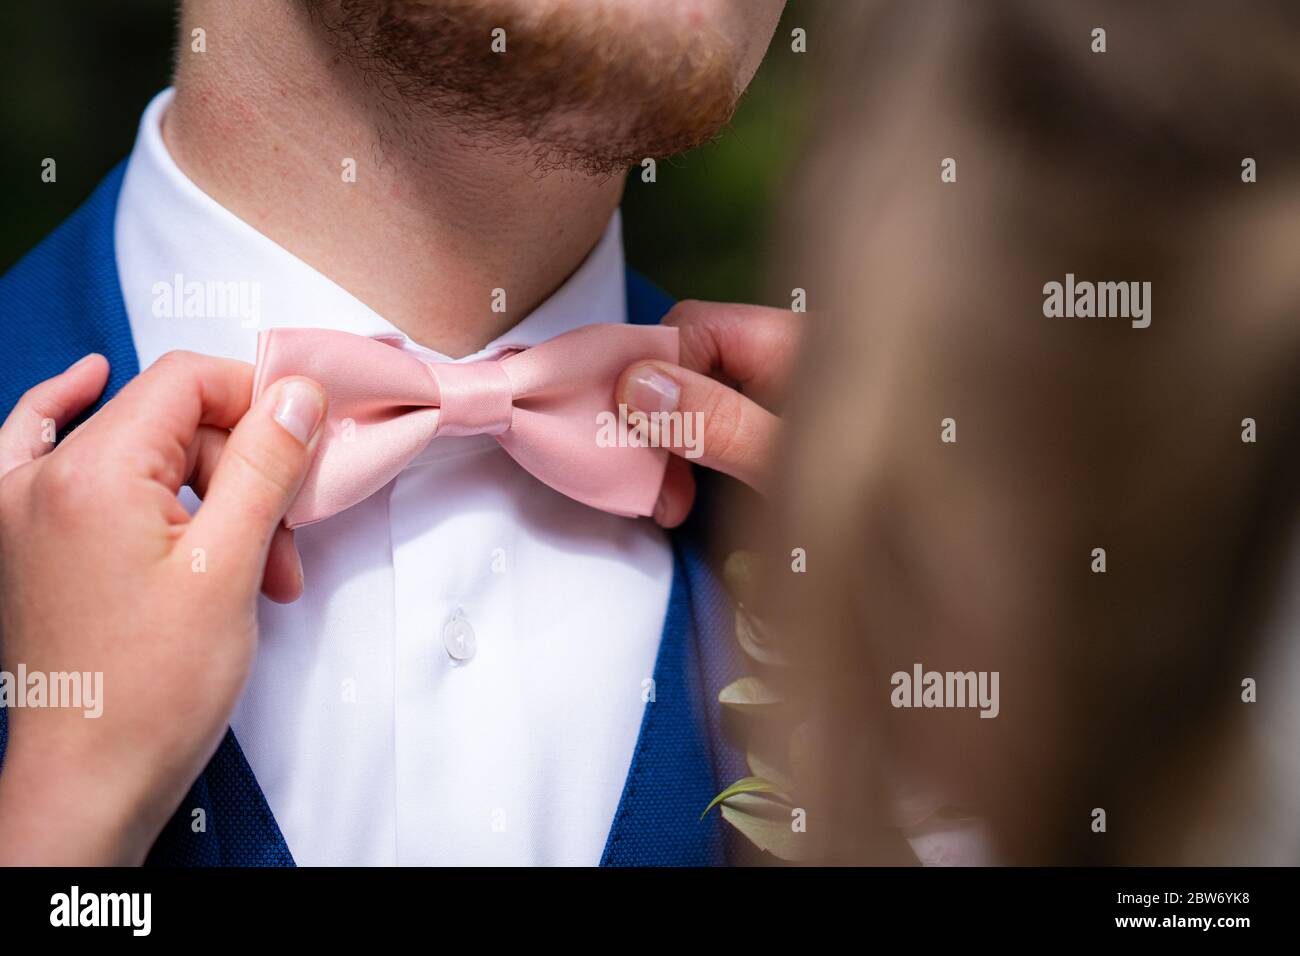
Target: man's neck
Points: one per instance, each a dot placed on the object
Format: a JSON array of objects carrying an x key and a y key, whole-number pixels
[{"x": 431, "y": 225}]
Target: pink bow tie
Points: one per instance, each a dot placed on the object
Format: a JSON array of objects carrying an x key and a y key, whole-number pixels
[{"x": 542, "y": 404}]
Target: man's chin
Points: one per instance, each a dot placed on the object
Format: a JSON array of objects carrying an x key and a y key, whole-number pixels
[
  {"x": 573, "y": 86},
  {"x": 602, "y": 143}
]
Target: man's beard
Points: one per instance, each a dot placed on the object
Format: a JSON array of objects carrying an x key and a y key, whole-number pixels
[{"x": 578, "y": 87}]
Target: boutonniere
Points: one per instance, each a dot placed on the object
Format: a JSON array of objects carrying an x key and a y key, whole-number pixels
[
  {"x": 779, "y": 746},
  {"x": 762, "y": 806}
]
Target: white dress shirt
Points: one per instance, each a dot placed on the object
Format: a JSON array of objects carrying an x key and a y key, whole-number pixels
[{"x": 372, "y": 743}]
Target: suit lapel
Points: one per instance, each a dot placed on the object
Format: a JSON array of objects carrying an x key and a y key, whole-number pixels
[
  {"x": 682, "y": 758},
  {"x": 224, "y": 820},
  {"x": 65, "y": 299}
]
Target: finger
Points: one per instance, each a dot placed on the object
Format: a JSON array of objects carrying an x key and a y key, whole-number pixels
[
  {"x": 256, "y": 477},
  {"x": 736, "y": 435},
  {"x": 150, "y": 423},
  {"x": 282, "y": 581},
  {"x": 676, "y": 495},
  {"x": 751, "y": 346},
  {"x": 35, "y": 420}
]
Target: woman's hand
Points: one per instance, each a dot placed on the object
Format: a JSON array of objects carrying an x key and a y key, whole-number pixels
[
  {"x": 103, "y": 571},
  {"x": 736, "y": 363}
]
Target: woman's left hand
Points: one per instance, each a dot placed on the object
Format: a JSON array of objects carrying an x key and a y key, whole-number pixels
[{"x": 736, "y": 363}]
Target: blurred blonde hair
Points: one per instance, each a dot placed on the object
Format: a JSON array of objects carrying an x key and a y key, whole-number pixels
[{"x": 1120, "y": 690}]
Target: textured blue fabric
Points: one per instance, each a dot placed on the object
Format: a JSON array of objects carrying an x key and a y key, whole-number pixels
[
  {"x": 64, "y": 299},
  {"x": 240, "y": 829},
  {"x": 647, "y": 304},
  {"x": 682, "y": 758}
]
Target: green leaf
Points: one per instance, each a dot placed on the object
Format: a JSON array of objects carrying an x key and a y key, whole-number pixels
[
  {"x": 767, "y": 824},
  {"x": 743, "y": 785},
  {"x": 748, "y": 694}
]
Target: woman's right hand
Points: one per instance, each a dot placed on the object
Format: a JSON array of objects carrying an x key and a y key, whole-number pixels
[{"x": 103, "y": 571}]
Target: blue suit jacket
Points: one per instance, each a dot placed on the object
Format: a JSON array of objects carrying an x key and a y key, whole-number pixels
[{"x": 64, "y": 299}]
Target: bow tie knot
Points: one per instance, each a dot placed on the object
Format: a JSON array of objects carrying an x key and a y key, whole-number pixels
[
  {"x": 476, "y": 398},
  {"x": 542, "y": 404}
]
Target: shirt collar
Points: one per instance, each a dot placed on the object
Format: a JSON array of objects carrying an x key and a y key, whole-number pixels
[{"x": 170, "y": 234}]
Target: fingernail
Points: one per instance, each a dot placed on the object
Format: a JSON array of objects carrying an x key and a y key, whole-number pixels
[
  {"x": 650, "y": 390},
  {"x": 660, "y": 509},
  {"x": 82, "y": 361},
  {"x": 298, "y": 409}
]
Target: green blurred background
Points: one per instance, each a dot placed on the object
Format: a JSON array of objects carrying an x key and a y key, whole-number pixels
[{"x": 78, "y": 73}]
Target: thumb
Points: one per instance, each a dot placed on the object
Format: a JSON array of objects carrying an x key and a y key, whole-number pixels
[
  {"x": 257, "y": 477},
  {"x": 739, "y": 436}
]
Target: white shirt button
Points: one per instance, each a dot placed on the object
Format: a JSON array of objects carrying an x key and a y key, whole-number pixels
[{"x": 458, "y": 637}]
